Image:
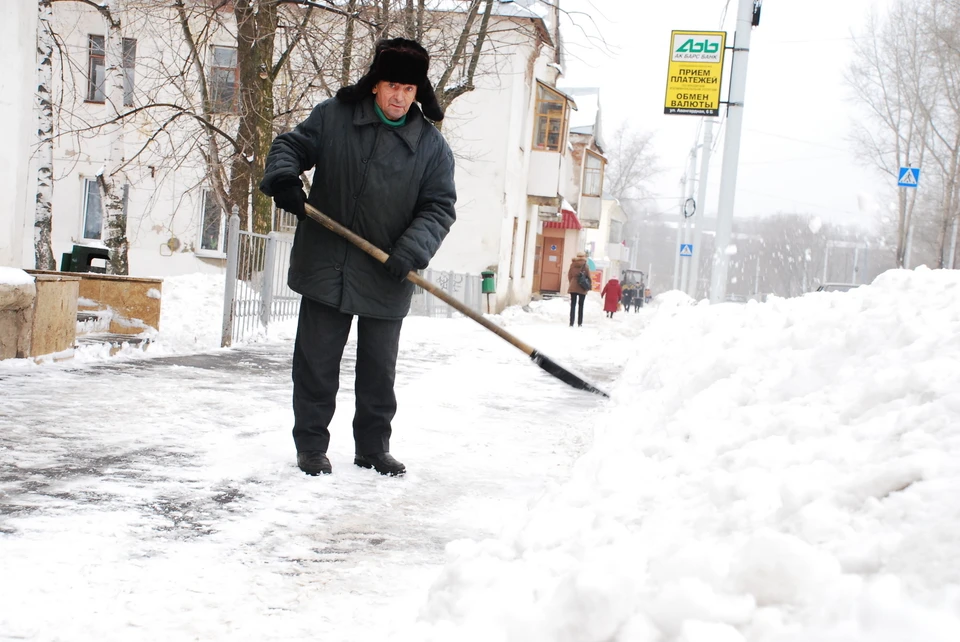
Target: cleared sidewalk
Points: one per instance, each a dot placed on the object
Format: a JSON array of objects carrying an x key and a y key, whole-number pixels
[{"x": 158, "y": 498}]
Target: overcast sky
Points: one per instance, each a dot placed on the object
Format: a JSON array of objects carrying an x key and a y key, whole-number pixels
[{"x": 795, "y": 153}]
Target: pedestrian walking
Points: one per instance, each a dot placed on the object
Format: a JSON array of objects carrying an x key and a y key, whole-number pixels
[
  {"x": 611, "y": 296},
  {"x": 580, "y": 281},
  {"x": 384, "y": 171}
]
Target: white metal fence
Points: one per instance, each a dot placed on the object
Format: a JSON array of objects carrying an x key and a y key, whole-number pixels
[
  {"x": 256, "y": 292},
  {"x": 466, "y": 288}
]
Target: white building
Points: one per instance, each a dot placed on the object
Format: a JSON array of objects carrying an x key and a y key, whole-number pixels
[
  {"x": 517, "y": 160},
  {"x": 18, "y": 128},
  {"x": 605, "y": 244},
  {"x": 581, "y": 189}
]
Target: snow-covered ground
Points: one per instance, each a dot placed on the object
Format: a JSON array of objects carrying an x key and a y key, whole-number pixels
[{"x": 783, "y": 471}]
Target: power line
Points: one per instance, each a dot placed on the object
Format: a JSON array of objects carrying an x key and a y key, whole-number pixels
[
  {"x": 797, "y": 140},
  {"x": 723, "y": 14},
  {"x": 788, "y": 160}
]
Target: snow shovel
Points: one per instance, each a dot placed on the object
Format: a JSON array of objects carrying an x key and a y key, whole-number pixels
[{"x": 546, "y": 363}]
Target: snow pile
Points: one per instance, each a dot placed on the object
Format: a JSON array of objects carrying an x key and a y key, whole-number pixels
[
  {"x": 784, "y": 471},
  {"x": 14, "y": 276},
  {"x": 191, "y": 312}
]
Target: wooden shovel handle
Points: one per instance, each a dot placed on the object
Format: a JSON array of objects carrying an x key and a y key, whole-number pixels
[{"x": 382, "y": 256}]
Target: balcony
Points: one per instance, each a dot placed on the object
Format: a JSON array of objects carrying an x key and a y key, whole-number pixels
[
  {"x": 589, "y": 212},
  {"x": 543, "y": 177}
]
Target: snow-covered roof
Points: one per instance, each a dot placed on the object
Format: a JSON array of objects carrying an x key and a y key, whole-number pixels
[
  {"x": 508, "y": 8},
  {"x": 586, "y": 120},
  {"x": 517, "y": 8}
]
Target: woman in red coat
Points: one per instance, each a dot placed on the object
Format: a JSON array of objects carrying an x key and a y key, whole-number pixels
[{"x": 611, "y": 296}]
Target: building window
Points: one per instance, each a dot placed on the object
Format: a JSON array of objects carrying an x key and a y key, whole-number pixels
[
  {"x": 616, "y": 232},
  {"x": 551, "y": 119},
  {"x": 592, "y": 175},
  {"x": 129, "y": 68},
  {"x": 224, "y": 77},
  {"x": 212, "y": 225},
  {"x": 96, "y": 70},
  {"x": 92, "y": 210}
]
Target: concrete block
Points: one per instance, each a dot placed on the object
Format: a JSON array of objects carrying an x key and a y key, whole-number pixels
[
  {"x": 16, "y": 315},
  {"x": 38, "y": 318}
]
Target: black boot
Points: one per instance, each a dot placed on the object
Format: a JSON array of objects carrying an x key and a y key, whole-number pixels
[
  {"x": 383, "y": 463},
  {"x": 314, "y": 462}
]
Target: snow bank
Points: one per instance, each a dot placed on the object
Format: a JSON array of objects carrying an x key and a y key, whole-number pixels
[
  {"x": 14, "y": 276},
  {"x": 783, "y": 471}
]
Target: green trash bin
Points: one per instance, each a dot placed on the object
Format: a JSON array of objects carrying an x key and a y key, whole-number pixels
[{"x": 488, "y": 285}]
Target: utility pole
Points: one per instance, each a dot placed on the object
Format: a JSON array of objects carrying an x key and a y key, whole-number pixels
[
  {"x": 731, "y": 149},
  {"x": 698, "y": 217},
  {"x": 681, "y": 222},
  {"x": 906, "y": 254},
  {"x": 756, "y": 281},
  {"x": 951, "y": 258},
  {"x": 686, "y": 218}
]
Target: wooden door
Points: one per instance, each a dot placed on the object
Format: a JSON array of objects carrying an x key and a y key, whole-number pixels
[
  {"x": 536, "y": 263},
  {"x": 551, "y": 269}
]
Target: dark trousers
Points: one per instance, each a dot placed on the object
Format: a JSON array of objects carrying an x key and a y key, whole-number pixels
[
  {"x": 321, "y": 336},
  {"x": 574, "y": 297}
]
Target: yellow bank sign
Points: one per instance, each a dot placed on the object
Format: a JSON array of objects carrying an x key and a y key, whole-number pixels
[{"x": 694, "y": 73}]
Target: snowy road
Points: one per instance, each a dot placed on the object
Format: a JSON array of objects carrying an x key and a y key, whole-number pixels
[{"x": 158, "y": 499}]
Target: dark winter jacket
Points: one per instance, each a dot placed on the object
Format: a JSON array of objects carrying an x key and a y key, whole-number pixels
[
  {"x": 573, "y": 273},
  {"x": 391, "y": 185}
]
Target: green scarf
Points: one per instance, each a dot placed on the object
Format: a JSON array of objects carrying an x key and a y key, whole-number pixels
[{"x": 385, "y": 120}]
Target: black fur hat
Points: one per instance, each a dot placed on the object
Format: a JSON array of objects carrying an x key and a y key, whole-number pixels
[{"x": 398, "y": 60}]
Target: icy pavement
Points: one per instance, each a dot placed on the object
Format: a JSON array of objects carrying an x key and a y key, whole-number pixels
[{"x": 158, "y": 498}]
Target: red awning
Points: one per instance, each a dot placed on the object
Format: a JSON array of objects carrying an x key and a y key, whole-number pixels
[{"x": 569, "y": 222}]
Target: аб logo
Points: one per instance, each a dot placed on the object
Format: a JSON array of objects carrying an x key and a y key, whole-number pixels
[
  {"x": 694, "y": 47},
  {"x": 691, "y": 46}
]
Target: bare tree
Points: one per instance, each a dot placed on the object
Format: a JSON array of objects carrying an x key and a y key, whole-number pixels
[
  {"x": 631, "y": 163},
  {"x": 942, "y": 19},
  {"x": 889, "y": 78},
  {"x": 43, "y": 215},
  {"x": 110, "y": 179},
  {"x": 289, "y": 55},
  {"x": 908, "y": 79}
]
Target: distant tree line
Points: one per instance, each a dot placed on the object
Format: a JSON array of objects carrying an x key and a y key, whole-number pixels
[{"x": 906, "y": 77}]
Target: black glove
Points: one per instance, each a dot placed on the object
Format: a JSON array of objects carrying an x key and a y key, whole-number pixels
[
  {"x": 289, "y": 196},
  {"x": 397, "y": 267}
]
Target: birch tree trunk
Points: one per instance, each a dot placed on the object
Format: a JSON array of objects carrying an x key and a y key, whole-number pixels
[
  {"x": 110, "y": 179},
  {"x": 43, "y": 214}
]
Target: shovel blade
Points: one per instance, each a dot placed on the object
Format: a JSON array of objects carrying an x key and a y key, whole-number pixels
[{"x": 553, "y": 368}]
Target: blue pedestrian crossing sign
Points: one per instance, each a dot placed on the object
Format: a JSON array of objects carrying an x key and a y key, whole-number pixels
[
  {"x": 686, "y": 249},
  {"x": 909, "y": 177}
]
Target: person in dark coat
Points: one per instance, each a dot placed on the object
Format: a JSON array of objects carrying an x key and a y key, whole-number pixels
[
  {"x": 611, "y": 296},
  {"x": 577, "y": 292},
  {"x": 384, "y": 171}
]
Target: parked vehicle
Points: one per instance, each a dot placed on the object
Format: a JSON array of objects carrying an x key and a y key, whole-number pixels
[
  {"x": 837, "y": 287},
  {"x": 633, "y": 281}
]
